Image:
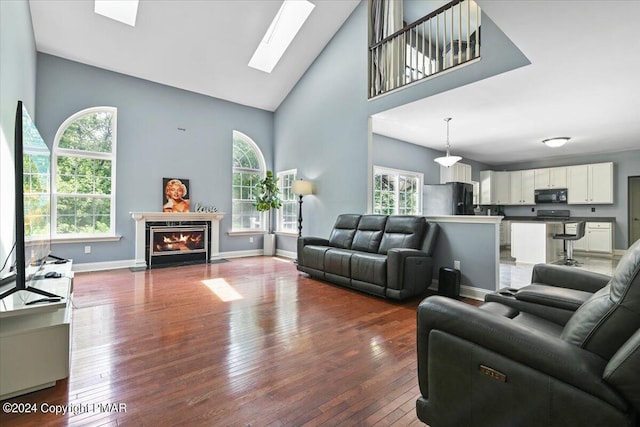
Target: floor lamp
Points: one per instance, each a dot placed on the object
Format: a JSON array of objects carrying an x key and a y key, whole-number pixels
[{"x": 301, "y": 188}]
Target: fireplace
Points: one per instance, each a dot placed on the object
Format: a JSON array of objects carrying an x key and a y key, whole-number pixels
[
  {"x": 174, "y": 243},
  {"x": 210, "y": 221}
]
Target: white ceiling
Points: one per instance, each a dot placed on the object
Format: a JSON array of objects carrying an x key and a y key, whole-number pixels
[
  {"x": 582, "y": 82},
  {"x": 197, "y": 45}
]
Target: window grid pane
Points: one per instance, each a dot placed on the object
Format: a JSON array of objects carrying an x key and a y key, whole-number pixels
[
  {"x": 396, "y": 193},
  {"x": 247, "y": 171},
  {"x": 288, "y": 213},
  {"x": 84, "y": 172}
]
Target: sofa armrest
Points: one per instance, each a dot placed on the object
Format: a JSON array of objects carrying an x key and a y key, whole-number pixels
[
  {"x": 553, "y": 296},
  {"x": 408, "y": 269},
  {"x": 547, "y": 354},
  {"x": 568, "y": 277},
  {"x": 306, "y": 240}
]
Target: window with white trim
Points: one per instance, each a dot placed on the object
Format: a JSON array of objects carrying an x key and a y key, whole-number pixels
[
  {"x": 248, "y": 168},
  {"x": 397, "y": 192},
  {"x": 84, "y": 167},
  {"x": 288, "y": 212}
]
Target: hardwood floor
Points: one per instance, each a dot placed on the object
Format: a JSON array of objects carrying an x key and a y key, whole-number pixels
[{"x": 249, "y": 342}]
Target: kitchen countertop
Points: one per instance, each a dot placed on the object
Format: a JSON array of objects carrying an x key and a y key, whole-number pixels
[{"x": 570, "y": 219}]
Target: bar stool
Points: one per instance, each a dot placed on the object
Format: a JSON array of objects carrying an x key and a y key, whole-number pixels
[{"x": 569, "y": 239}]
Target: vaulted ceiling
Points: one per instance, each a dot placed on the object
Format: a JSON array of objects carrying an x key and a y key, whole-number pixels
[{"x": 582, "y": 81}]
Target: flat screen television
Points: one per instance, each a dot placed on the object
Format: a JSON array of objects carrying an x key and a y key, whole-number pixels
[{"x": 32, "y": 204}]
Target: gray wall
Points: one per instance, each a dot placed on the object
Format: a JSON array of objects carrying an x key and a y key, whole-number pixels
[
  {"x": 398, "y": 154},
  {"x": 17, "y": 82},
  {"x": 322, "y": 126},
  {"x": 150, "y": 146},
  {"x": 474, "y": 245},
  {"x": 626, "y": 164}
]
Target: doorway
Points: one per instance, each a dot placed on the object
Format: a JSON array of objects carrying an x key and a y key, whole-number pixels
[{"x": 634, "y": 209}]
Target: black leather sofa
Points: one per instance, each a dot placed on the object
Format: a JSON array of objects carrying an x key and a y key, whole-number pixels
[
  {"x": 498, "y": 365},
  {"x": 384, "y": 255}
]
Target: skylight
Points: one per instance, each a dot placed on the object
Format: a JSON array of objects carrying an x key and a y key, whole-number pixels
[
  {"x": 124, "y": 11},
  {"x": 283, "y": 28}
]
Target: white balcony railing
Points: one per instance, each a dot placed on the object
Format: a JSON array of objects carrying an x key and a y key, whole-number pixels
[{"x": 445, "y": 38}]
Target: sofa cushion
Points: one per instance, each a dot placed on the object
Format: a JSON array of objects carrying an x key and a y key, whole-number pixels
[
  {"x": 314, "y": 256},
  {"x": 338, "y": 261},
  {"x": 371, "y": 268},
  {"x": 369, "y": 233},
  {"x": 344, "y": 230},
  {"x": 607, "y": 319},
  {"x": 402, "y": 231}
]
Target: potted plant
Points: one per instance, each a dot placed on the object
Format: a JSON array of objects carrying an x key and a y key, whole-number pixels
[{"x": 267, "y": 197}]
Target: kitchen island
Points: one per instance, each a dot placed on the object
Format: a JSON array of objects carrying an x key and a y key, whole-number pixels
[{"x": 532, "y": 242}]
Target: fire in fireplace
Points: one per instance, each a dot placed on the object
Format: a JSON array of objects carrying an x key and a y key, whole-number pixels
[{"x": 178, "y": 241}]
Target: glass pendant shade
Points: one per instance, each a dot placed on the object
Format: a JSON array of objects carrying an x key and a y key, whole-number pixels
[{"x": 448, "y": 160}]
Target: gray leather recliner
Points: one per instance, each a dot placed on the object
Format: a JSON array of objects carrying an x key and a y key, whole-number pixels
[{"x": 495, "y": 365}]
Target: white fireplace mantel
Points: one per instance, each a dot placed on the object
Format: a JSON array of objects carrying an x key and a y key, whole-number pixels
[{"x": 141, "y": 219}]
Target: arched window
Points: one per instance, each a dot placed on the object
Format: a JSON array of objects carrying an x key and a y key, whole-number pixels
[
  {"x": 248, "y": 168},
  {"x": 84, "y": 167}
]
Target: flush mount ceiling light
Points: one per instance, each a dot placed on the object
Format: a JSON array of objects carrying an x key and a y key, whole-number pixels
[
  {"x": 283, "y": 28},
  {"x": 448, "y": 160},
  {"x": 124, "y": 11},
  {"x": 558, "y": 141}
]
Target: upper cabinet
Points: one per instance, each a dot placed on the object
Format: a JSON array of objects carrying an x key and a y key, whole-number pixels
[
  {"x": 590, "y": 184},
  {"x": 522, "y": 187},
  {"x": 585, "y": 184},
  {"x": 494, "y": 188},
  {"x": 550, "y": 178},
  {"x": 459, "y": 172}
]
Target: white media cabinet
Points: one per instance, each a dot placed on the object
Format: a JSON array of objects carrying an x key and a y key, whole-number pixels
[{"x": 35, "y": 340}]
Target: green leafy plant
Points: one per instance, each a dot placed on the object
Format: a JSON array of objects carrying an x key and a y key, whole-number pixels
[{"x": 267, "y": 195}]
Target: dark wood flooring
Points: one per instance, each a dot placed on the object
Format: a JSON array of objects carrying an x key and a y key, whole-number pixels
[{"x": 249, "y": 342}]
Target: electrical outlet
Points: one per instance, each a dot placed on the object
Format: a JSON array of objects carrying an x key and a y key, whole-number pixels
[
  {"x": 251, "y": 239},
  {"x": 87, "y": 249},
  {"x": 456, "y": 265}
]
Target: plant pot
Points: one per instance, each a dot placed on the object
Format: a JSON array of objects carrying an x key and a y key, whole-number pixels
[{"x": 269, "y": 244}]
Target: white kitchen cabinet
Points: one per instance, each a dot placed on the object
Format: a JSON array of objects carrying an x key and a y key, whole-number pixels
[
  {"x": 550, "y": 178},
  {"x": 494, "y": 188},
  {"x": 598, "y": 237},
  {"x": 459, "y": 172},
  {"x": 521, "y": 185},
  {"x": 590, "y": 184}
]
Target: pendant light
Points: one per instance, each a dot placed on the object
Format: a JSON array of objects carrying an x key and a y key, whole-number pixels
[{"x": 448, "y": 160}]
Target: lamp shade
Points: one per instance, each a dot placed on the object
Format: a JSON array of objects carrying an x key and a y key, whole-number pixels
[
  {"x": 447, "y": 161},
  {"x": 302, "y": 187}
]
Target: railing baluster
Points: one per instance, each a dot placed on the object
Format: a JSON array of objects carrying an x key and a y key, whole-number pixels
[
  {"x": 452, "y": 46},
  {"x": 468, "y": 29},
  {"x": 459, "y": 33}
]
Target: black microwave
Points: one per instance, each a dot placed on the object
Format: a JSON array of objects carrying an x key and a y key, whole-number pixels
[{"x": 556, "y": 195}]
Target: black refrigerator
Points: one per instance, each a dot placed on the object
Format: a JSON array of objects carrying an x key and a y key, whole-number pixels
[{"x": 452, "y": 198}]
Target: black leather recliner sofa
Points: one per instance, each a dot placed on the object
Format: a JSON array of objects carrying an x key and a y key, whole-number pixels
[
  {"x": 384, "y": 255},
  {"x": 499, "y": 365}
]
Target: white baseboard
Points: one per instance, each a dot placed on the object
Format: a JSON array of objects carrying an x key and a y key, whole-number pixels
[
  {"x": 287, "y": 254},
  {"x": 241, "y": 254}
]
